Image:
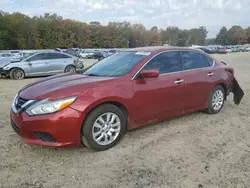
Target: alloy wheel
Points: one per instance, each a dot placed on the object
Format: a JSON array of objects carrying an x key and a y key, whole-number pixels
[
  {"x": 217, "y": 100},
  {"x": 18, "y": 74},
  {"x": 70, "y": 69},
  {"x": 106, "y": 128}
]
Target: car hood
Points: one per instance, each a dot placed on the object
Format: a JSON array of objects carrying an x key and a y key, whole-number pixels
[
  {"x": 4, "y": 61},
  {"x": 62, "y": 85}
]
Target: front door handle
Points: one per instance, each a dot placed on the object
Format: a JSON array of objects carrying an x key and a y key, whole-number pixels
[
  {"x": 178, "y": 81},
  {"x": 210, "y": 74},
  {"x": 46, "y": 62}
]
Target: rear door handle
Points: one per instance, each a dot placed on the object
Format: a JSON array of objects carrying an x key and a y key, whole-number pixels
[
  {"x": 178, "y": 81},
  {"x": 46, "y": 62},
  {"x": 210, "y": 74}
]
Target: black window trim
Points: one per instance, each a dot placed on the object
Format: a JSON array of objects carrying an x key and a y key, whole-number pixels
[{"x": 180, "y": 50}]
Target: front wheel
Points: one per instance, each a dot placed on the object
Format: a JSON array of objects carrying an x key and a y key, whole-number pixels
[
  {"x": 17, "y": 74},
  {"x": 216, "y": 100},
  {"x": 103, "y": 127},
  {"x": 70, "y": 69}
]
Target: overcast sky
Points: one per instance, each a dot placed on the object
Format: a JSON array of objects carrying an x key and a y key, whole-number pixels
[{"x": 182, "y": 13}]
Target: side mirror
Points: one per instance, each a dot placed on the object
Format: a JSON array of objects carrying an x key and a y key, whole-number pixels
[{"x": 154, "y": 73}]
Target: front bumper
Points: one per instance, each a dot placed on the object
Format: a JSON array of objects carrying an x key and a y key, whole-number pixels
[
  {"x": 57, "y": 130},
  {"x": 3, "y": 72}
]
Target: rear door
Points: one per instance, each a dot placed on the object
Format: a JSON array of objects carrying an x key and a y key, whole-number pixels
[
  {"x": 161, "y": 97},
  {"x": 58, "y": 62},
  {"x": 37, "y": 65},
  {"x": 197, "y": 74}
]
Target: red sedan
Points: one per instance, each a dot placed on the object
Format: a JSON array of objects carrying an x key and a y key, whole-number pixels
[{"x": 124, "y": 91}]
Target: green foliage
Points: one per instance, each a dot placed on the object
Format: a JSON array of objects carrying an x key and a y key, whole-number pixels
[
  {"x": 221, "y": 37},
  {"x": 234, "y": 36},
  {"x": 248, "y": 34},
  {"x": 19, "y": 31},
  {"x": 210, "y": 41}
]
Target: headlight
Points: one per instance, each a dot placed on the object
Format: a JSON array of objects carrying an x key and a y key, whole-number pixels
[
  {"x": 47, "y": 107},
  {"x": 6, "y": 67}
]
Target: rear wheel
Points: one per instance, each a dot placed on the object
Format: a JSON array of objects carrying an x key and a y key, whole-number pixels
[
  {"x": 103, "y": 127},
  {"x": 70, "y": 68},
  {"x": 17, "y": 74},
  {"x": 216, "y": 100}
]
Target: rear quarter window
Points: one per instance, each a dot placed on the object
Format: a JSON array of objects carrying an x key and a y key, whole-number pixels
[
  {"x": 209, "y": 61},
  {"x": 193, "y": 60}
]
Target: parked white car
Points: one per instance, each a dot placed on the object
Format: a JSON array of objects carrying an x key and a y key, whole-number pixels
[
  {"x": 86, "y": 53},
  {"x": 248, "y": 49},
  {"x": 229, "y": 50},
  {"x": 4, "y": 55}
]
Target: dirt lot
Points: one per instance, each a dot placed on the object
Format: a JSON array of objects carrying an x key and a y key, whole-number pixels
[{"x": 196, "y": 150}]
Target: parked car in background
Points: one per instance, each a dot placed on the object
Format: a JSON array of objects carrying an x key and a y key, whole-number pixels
[
  {"x": 40, "y": 64},
  {"x": 3, "y": 55},
  {"x": 125, "y": 91},
  {"x": 72, "y": 51},
  {"x": 104, "y": 53},
  {"x": 247, "y": 49},
  {"x": 84, "y": 53},
  {"x": 242, "y": 49},
  {"x": 60, "y": 50},
  {"x": 207, "y": 50},
  {"x": 96, "y": 55},
  {"x": 111, "y": 52},
  {"x": 23, "y": 54},
  {"x": 222, "y": 50},
  {"x": 229, "y": 50}
]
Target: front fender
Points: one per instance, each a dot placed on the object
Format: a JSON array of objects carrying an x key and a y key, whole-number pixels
[{"x": 93, "y": 97}]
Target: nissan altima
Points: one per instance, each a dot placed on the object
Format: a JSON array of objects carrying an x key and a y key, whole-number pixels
[{"x": 124, "y": 91}]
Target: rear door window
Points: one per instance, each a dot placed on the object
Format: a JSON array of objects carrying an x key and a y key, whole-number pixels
[
  {"x": 58, "y": 56},
  {"x": 193, "y": 60},
  {"x": 39, "y": 57},
  {"x": 167, "y": 62}
]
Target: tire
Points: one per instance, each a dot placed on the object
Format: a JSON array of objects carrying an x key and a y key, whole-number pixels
[
  {"x": 17, "y": 74},
  {"x": 213, "y": 106},
  {"x": 92, "y": 123},
  {"x": 70, "y": 68}
]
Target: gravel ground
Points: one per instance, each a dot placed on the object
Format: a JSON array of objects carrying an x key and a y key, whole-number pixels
[{"x": 195, "y": 151}]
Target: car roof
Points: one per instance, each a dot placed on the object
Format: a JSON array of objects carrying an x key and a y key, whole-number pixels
[{"x": 160, "y": 48}]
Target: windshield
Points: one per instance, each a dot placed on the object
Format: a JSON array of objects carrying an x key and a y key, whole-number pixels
[
  {"x": 117, "y": 65},
  {"x": 25, "y": 55}
]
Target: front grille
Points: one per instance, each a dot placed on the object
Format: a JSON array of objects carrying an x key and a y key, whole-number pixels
[
  {"x": 46, "y": 137},
  {"x": 15, "y": 127},
  {"x": 20, "y": 102}
]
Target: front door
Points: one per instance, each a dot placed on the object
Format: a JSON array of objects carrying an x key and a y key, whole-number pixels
[{"x": 161, "y": 97}]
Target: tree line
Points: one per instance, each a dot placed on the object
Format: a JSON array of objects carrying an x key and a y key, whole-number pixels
[{"x": 19, "y": 31}]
